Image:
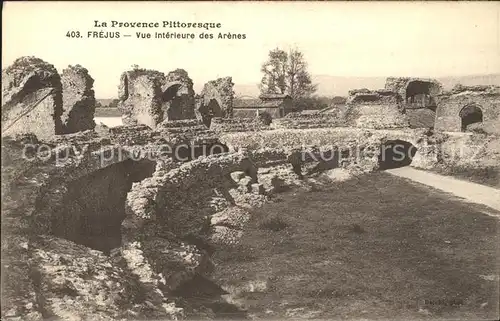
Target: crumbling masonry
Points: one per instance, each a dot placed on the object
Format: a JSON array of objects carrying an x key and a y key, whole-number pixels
[
  {"x": 215, "y": 100},
  {"x": 113, "y": 226},
  {"x": 31, "y": 98},
  {"x": 78, "y": 99},
  {"x": 149, "y": 97},
  {"x": 466, "y": 107}
]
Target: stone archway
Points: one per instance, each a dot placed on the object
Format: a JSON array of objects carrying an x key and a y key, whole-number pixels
[
  {"x": 171, "y": 103},
  {"x": 470, "y": 114},
  {"x": 94, "y": 205},
  {"x": 211, "y": 110},
  {"x": 421, "y": 93},
  {"x": 396, "y": 153}
]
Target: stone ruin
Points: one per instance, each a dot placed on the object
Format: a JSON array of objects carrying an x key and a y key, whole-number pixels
[
  {"x": 31, "y": 98},
  {"x": 215, "y": 100},
  {"x": 35, "y": 99},
  {"x": 466, "y": 107},
  {"x": 78, "y": 99},
  {"x": 419, "y": 98},
  {"x": 415, "y": 92},
  {"x": 149, "y": 97},
  {"x": 422, "y": 103},
  {"x": 126, "y": 225},
  {"x": 374, "y": 109},
  {"x": 179, "y": 96}
]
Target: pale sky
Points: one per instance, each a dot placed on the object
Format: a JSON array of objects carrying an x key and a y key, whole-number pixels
[{"x": 363, "y": 39}]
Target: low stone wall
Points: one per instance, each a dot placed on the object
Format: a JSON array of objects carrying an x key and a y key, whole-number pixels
[
  {"x": 174, "y": 206},
  {"x": 363, "y": 145},
  {"x": 237, "y": 125},
  {"x": 301, "y": 121},
  {"x": 375, "y": 116}
]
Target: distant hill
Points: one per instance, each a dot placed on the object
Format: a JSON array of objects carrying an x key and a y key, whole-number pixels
[
  {"x": 449, "y": 82},
  {"x": 339, "y": 86}
]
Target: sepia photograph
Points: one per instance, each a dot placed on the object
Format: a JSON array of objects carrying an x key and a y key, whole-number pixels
[{"x": 241, "y": 160}]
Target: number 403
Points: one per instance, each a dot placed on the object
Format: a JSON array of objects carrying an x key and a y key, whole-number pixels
[{"x": 73, "y": 34}]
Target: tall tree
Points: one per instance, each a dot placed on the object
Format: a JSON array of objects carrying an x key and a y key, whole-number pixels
[{"x": 286, "y": 73}]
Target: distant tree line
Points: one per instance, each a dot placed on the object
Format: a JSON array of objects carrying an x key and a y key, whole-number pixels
[{"x": 112, "y": 104}]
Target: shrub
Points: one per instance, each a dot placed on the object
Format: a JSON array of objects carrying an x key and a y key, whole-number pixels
[{"x": 265, "y": 118}]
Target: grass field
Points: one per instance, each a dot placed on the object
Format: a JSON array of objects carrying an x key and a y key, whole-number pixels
[{"x": 377, "y": 247}]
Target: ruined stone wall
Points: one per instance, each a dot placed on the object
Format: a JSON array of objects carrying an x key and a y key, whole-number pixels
[
  {"x": 176, "y": 205},
  {"x": 31, "y": 98},
  {"x": 48, "y": 203},
  {"x": 149, "y": 97},
  {"x": 399, "y": 85},
  {"x": 237, "y": 124},
  {"x": 78, "y": 99},
  {"x": 363, "y": 144},
  {"x": 299, "y": 121},
  {"x": 216, "y": 99},
  {"x": 374, "y": 109},
  {"x": 140, "y": 97},
  {"x": 190, "y": 127},
  {"x": 170, "y": 219},
  {"x": 181, "y": 104},
  {"x": 487, "y": 98}
]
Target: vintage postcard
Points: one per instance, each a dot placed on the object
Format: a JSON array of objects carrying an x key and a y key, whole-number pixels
[{"x": 250, "y": 160}]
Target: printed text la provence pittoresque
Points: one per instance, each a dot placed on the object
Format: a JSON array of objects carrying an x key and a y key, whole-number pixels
[{"x": 155, "y": 30}]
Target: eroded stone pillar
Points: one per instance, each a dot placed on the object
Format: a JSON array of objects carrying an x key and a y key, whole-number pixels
[
  {"x": 215, "y": 100},
  {"x": 78, "y": 99}
]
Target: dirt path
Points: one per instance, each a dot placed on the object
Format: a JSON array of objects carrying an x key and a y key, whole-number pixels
[{"x": 472, "y": 192}]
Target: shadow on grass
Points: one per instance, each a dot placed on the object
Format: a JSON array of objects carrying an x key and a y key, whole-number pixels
[{"x": 376, "y": 247}]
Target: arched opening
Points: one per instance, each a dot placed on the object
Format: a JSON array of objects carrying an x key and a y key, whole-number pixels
[
  {"x": 94, "y": 205},
  {"x": 420, "y": 94},
  {"x": 470, "y": 114},
  {"x": 171, "y": 103},
  {"x": 395, "y": 154},
  {"x": 210, "y": 111}
]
